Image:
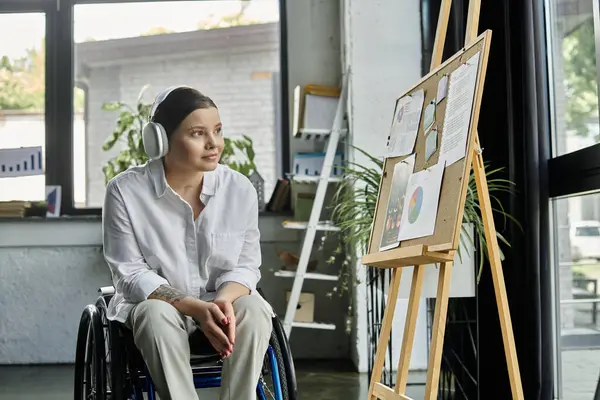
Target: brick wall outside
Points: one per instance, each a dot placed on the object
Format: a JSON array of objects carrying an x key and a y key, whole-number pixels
[{"x": 238, "y": 79}]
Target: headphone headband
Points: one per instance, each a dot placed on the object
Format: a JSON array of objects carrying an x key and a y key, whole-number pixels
[{"x": 162, "y": 96}]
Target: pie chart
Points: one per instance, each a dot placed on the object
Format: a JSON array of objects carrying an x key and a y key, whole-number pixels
[{"x": 414, "y": 206}]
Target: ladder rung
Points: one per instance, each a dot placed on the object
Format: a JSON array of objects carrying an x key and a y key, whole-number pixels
[
  {"x": 314, "y": 179},
  {"x": 302, "y": 225},
  {"x": 331, "y": 136},
  {"x": 314, "y": 325},
  {"x": 308, "y": 275}
]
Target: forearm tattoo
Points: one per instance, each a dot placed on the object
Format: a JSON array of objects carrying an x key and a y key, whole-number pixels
[{"x": 168, "y": 294}]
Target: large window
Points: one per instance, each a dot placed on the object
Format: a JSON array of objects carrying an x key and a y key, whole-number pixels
[
  {"x": 227, "y": 49},
  {"x": 22, "y": 102},
  {"x": 105, "y": 52},
  {"x": 573, "y": 27},
  {"x": 575, "y": 74},
  {"x": 577, "y": 232}
]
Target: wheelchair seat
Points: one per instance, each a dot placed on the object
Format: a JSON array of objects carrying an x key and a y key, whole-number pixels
[
  {"x": 200, "y": 348},
  {"x": 109, "y": 365}
]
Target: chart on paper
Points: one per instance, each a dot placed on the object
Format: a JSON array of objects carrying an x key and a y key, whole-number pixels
[
  {"x": 24, "y": 161},
  {"x": 421, "y": 203}
]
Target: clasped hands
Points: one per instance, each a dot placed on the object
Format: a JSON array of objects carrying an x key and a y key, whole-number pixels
[{"x": 217, "y": 321}]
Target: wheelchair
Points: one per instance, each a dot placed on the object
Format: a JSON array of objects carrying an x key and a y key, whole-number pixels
[{"x": 108, "y": 365}]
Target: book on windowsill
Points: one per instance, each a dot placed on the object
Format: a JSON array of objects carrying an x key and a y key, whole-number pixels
[
  {"x": 13, "y": 208},
  {"x": 21, "y": 209},
  {"x": 281, "y": 198}
]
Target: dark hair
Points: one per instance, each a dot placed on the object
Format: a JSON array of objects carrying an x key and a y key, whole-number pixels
[{"x": 178, "y": 105}]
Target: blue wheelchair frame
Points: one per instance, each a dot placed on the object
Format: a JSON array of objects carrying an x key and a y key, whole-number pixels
[
  {"x": 97, "y": 335},
  {"x": 212, "y": 379}
]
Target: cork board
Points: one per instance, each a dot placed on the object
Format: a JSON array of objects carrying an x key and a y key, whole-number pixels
[{"x": 455, "y": 180}]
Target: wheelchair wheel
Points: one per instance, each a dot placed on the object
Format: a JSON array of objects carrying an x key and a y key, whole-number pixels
[
  {"x": 272, "y": 384},
  {"x": 278, "y": 380},
  {"x": 115, "y": 359},
  {"x": 89, "y": 357},
  {"x": 288, "y": 362}
]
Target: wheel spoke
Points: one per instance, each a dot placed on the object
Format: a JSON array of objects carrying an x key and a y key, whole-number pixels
[{"x": 266, "y": 387}]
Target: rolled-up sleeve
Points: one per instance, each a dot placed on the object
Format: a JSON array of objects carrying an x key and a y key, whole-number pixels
[
  {"x": 131, "y": 275},
  {"x": 247, "y": 270}
]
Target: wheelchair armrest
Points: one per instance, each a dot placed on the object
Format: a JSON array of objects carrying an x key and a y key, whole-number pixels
[{"x": 107, "y": 290}]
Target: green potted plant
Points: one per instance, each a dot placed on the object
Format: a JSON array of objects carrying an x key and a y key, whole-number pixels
[
  {"x": 354, "y": 207},
  {"x": 238, "y": 154}
]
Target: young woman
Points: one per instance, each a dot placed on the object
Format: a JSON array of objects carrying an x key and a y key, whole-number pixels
[{"x": 181, "y": 239}]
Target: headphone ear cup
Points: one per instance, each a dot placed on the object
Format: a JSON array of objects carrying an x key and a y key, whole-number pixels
[{"x": 154, "y": 139}]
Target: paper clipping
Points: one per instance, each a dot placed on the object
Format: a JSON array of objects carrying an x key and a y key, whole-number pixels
[
  {"x": 402, "y": 172},
  {"x": 431, "y": 143},
  {"x": 458, "y": 111},
  {"x": 405, "y": 125},
  {"x": 421, "y": 203},
  {"x": 429, "y": 116},
  {"x": 442, "y": 89}
]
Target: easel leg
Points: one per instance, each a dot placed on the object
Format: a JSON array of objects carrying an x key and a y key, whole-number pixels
[
  {"x": 409, "y": 328},
  {"x": 497, "y": 274},
  {"x": 384, "y": 332},
  {"x": 438, "y": 331}
]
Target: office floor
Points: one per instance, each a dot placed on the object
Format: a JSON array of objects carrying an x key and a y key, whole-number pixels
[{"x": 316, "y": 381}]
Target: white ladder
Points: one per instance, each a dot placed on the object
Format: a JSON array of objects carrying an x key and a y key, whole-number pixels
[{"x": 314, "y": 224}]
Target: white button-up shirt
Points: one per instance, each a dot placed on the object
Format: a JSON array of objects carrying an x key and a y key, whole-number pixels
[{"x": 151, "y": 238}]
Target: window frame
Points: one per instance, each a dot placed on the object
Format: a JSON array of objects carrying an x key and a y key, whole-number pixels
[
  {"x": 49, "y": 8},
  {"x": 60, "y": 81},
  {"x": 577, "y": 172},
  {"x": 567, "y": 175}
]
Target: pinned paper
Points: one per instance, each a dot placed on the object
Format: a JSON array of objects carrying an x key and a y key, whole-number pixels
[
  {"x": 402, "y": 172},
  {"x": 421, "y": 203},
  {"x": 431, "y": 143},
  {"x": 405, "y": 126},
  {"x": 461, "y": 94},
  {"x": 442, "y": 89},
  {"x": 429, "y": 116}
]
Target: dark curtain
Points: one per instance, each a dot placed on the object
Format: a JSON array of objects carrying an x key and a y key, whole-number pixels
[{"x": 514, "y": 133}]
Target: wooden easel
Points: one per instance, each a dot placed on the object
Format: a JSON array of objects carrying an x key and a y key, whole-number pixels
[{"x": 420, "y": 253}]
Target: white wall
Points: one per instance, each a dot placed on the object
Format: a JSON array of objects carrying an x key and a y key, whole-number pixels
[
  {"x": 383, "y": 47},
  {"x": 313, "y": 51},
  {"x": 51, "y": 269}
]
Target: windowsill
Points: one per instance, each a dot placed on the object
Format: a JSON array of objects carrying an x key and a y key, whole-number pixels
[
  {"x": 92, "y": 217},
  {"x": 71, "y": 218},
  {"x": 86, "y": 230}
]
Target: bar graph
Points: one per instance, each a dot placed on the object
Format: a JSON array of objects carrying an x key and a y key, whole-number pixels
[{"x": 23, "y": 161}]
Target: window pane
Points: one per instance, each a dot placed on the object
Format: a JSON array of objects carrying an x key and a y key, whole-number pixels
[
  {"x": 22, "y": 102},
  {"x": 575, "y": 76},
  {"x": 229, "y": 50},
  {"x": 577, "y": 222}
]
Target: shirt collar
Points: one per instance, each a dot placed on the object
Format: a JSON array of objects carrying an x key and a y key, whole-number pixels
[{"x": 157, "y": 173}]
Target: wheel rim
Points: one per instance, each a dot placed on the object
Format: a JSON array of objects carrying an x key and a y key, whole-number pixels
[
  {"x": 89, "y": 384},
  {"x": 269, "y": 387}
]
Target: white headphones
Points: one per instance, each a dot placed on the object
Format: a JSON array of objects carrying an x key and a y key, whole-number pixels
[{"x": 154, "y": 136}]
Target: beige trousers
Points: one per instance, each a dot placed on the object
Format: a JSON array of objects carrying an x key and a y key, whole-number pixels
[{"x": 161, "y": 333}]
